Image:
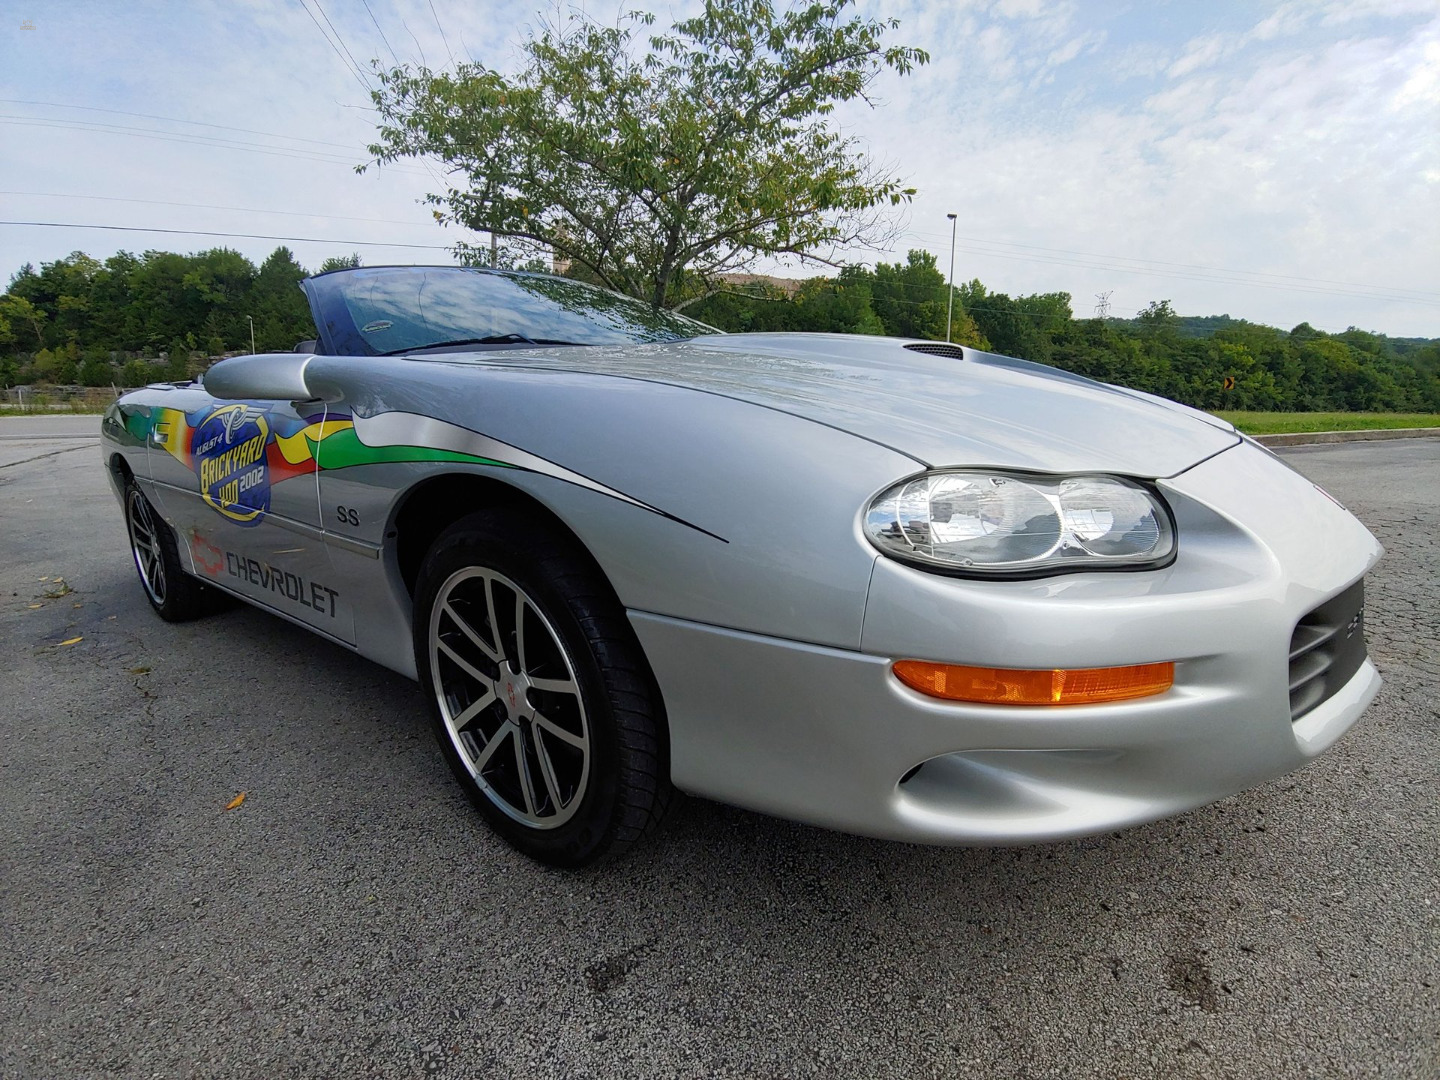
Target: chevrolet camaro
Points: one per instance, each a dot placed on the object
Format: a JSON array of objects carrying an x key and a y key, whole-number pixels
[{"x": 901, "y": 588}]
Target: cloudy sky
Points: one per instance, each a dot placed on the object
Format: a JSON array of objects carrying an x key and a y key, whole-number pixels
[{"x": 1278, "y": 161}]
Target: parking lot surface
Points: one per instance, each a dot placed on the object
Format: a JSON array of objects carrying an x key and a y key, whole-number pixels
[{"x": 354, "y": 918}]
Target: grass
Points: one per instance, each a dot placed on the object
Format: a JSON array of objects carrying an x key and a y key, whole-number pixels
[
  {"x": 1280, "y": 423},
  {"x": 78, "y": 409}
]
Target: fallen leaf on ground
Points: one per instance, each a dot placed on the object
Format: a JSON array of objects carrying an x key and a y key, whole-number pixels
[
  {"x": 236, "y": 801},
  {"x": 72, "y": 641},
  {"x": 35, "y": 605},
  {"x": 139, "y": 671}
]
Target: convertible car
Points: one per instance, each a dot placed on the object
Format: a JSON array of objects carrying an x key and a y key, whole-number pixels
[{"x": 900, "y": 588}]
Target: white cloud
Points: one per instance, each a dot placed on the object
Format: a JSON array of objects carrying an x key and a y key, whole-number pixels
[
  {"x": 1200, "y": 53},
  {"x": 1299, "y": 142}
]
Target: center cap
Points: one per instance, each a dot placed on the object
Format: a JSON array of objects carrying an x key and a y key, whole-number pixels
[{"x": 512, "y": 687}]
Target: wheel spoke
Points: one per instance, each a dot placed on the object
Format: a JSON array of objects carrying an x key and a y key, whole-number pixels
[
  {"x": 520, "y": 632},
  {"x": 555, "y": 686},
  {"x": 551, "y": 753},
  {"x": 547, "y": 773},
  {"x": 488, "y": 750},
  {"x": 523, "y": 772},
  {"x": 474, "y": 709},
  {"x": 463, "y": 664},
  {"x": 552, "y": 728},
  {"x": 465, "y": 628},
  {"x": 488, "y": 589}
]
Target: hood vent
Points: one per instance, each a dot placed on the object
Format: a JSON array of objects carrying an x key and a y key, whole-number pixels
[{"x": 938, "y": 348}]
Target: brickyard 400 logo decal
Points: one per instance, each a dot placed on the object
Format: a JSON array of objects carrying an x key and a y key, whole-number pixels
[
  {"x": 228, "y": 451},
  {"x": 240, "y": 451}
]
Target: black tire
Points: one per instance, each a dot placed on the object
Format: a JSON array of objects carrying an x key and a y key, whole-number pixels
[
  {"x": 175, "y": 595},
  {"x": 568, "y": 761}
]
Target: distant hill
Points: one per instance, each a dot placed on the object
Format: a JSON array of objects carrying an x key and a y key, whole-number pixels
[{"x": 1207, "y": 326}]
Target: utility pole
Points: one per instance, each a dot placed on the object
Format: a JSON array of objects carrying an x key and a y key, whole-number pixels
[
  {"x": 950, "y": 309},
  {"x": 251, "y": 321}
]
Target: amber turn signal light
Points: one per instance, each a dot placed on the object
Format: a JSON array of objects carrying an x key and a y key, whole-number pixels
[{"x": 1010, "y": 686}]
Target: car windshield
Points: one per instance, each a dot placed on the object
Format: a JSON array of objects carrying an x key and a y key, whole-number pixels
[{"x": 371, "y": 311}]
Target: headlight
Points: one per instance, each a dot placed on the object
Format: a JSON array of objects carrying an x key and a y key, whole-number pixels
[{"x": 1009, "y": 524}]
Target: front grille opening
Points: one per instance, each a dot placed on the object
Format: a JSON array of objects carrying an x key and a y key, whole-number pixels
[
  {"x": 1326, "y": 650},
  {"x": 938, "y": 348}
]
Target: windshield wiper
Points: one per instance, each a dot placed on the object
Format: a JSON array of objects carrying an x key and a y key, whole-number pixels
[{"x": 493, "y": 339}]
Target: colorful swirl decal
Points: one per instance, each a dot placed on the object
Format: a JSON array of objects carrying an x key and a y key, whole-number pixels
[{"x": 240, "y": 451}]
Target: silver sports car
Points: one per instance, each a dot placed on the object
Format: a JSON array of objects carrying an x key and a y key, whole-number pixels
[{"x": 900, "y": 588}]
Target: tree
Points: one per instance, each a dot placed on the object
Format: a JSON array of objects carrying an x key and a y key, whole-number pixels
[
  {"x": 17, "y": 311},
  {"x": 282, "y": 315},
  {"x": 1157, "y": 319},
  {"x": 334, "y": 262},
  {"x": 177, "y": 361},
  {"x": 96, "y": 371},
  {"x": 657, "y": 169},
  {"x": 1006, "y": 323},
  {"x": 137, "y": 373}
]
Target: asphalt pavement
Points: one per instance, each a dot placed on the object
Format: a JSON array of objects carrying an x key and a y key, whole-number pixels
[{"x": 353, "y": 918}]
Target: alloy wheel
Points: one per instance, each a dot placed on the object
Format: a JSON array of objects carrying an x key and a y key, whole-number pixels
[
  {"x": 145, "y": 546},
  {"x": 509, "y": 696}
]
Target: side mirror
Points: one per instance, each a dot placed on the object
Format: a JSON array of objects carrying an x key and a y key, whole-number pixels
[{"x": 268, "y": 376}]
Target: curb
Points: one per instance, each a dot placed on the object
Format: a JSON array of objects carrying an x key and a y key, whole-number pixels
[{"x": 1303, "y": 438}]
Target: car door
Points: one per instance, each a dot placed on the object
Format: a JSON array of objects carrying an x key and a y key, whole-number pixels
[{"x": 237, "y": 480}]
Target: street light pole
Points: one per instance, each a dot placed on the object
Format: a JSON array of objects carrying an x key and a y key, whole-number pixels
[
  {"x": 251, "y": 321},
  {"x": 950, "y": 310}
]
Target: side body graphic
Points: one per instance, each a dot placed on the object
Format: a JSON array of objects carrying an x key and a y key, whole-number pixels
[{"x": 239, "y": 451}]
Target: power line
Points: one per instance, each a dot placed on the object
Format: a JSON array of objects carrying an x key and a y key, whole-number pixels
[
  {"x": 171, "y": 120},
  {"x": 209, "y": 206},
  {"x": 186, "y": 137},
  {"x": 234, "y": 235},
  {"x": 1144, "y": 263},
  {"x": 443, "y": 38},
  {"x": 1422, "y": 298},
  {"x": 383, "y": 38},
  {"x": 968, "y": 308},
  {"x": 353, "y": 62},
  {"x": 172, "y": 136},
  {"x": 363, "y": 85}
]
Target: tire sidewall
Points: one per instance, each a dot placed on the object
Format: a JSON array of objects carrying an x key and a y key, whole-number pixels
[
  {"x": 477, "y": 542},
  {"x": 181, "y": 596}
]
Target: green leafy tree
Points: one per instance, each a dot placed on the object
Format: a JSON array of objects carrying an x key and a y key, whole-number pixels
[
  {"x": 282, "y": 314},
  {"x": 20, "y": 312},
  {"x": 1006, "y": 323},
  {"x": 137, "y": 373},
  {"x": 177, "y": 361},
  {"x": 659, "y": 164},
  {"x": 96, "y": 371},
  {"x": 335, "y": 262}
]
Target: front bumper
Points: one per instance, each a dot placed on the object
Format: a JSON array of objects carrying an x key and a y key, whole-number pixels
[{"x": 831, "y": 737}]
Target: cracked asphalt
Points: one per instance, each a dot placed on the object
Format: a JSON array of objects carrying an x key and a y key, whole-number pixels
[{"x": 354, "y": 918}]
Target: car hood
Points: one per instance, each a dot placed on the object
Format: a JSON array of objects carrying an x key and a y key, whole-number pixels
[{"x": 967, "y": 408}]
